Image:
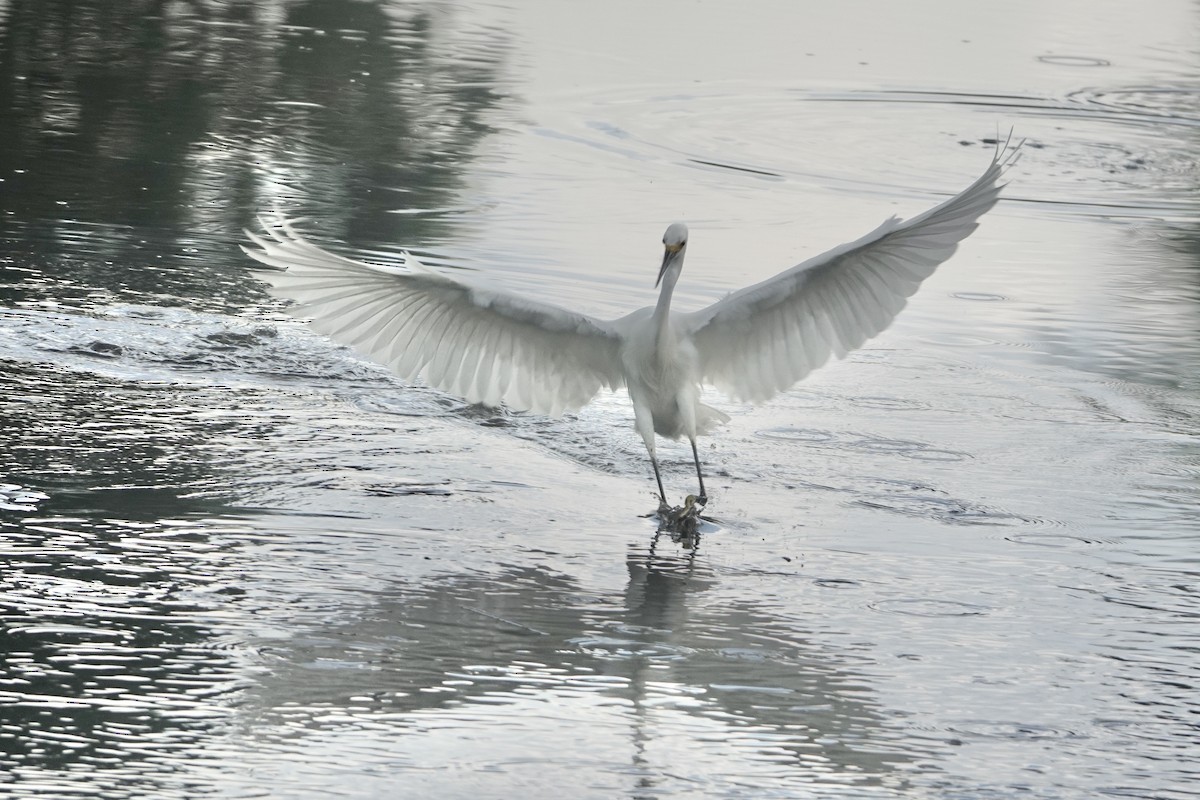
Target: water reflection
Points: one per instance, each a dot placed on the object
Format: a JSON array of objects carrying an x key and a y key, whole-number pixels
[
  {"x": 114, "y": 457},
  {"x": 758, "y": 700},
  {"x": 111, "y": 662},
  {"x": 148, "y": 133},
  {"x": 112, "y": 665}
]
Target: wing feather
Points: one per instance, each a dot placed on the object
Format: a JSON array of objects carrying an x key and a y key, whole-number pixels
[
  {"x": 485, "y": 345},
  {"x": 762, "y": 339},
  {"x": 462, "y": 356}
]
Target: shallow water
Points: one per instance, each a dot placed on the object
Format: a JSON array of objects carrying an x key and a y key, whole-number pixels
[{"x": 240, "y": 562}]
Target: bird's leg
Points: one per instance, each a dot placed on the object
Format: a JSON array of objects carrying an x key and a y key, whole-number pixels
[
  {"x": 643, "y": 420},
  {"x": 662, "y": 496},
  {"x": 703, "y": 498}
]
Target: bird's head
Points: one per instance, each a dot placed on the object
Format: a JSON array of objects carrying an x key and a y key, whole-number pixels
[{"x": 674, "y": 246}]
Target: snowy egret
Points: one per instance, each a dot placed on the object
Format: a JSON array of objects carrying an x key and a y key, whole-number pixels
[{"x": 493, "y": 347}]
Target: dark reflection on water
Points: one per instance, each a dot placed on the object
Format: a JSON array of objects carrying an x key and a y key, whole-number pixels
[
  {"x": 107, "y": 446},
  {"x": 111, "y": 664},
  {"x": 145, "y": 134},
  {"x": 138, "y": 138},
  {"x": 108, "y": 667}
]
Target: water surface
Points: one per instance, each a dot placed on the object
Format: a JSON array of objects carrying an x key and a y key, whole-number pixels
[{"x": 240, "y": 562}]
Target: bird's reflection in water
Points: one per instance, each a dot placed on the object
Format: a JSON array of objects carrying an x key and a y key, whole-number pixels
[
  {"x": 656, "y": 600},
  {"x": 659, "y": 580}
]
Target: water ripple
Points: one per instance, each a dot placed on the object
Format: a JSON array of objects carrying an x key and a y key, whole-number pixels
[
  {"x": 926, "y": 607},
  {"x": 919, "y": 451},
  {"x": 634, "y": 130}
]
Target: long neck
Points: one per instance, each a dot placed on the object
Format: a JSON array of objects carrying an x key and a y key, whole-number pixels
[{"x": 664, "y": 340}]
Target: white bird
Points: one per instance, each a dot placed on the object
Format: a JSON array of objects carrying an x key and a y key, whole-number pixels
[{"x": 493, "y": 347}]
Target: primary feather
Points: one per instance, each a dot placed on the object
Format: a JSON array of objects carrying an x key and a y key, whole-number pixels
[
  {"x": 486, "y": 346},
  {"x": 762, "y": 339}
]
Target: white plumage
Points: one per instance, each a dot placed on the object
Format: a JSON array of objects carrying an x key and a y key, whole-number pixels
[{"x": 492, "y": 347}]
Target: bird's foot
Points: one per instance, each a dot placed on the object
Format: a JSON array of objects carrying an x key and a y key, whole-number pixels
[
  {"x": 682, "y": 522},
  {"x": 689, "y": 510}
]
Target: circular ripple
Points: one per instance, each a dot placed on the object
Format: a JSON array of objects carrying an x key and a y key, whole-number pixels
[
  {"x": 888, "y": 445},
  {"x": 921, "y": 607},
  {"x": 810, "y": 435},
  {"x": 807, "y": 399},
  {"x": 918, "y": 451}
]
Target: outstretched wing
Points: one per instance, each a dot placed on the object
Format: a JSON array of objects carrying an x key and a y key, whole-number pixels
[
  {"x": 761, "y": 340},
  {"x": 486, "y": 346}
]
